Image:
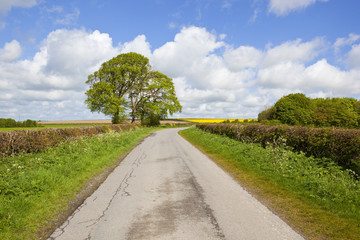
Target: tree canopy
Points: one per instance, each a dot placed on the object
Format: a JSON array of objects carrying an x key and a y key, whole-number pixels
[
  {"x": 127, "y": 85},
  {"x": 297, "y": 109}
]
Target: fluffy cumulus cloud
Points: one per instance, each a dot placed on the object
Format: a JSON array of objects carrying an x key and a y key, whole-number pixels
[
  {"x": 55, "y": 77},
  {"x": 11, "y": 51},
  {"x": 190, "y": 46},
  {"x": 284, "y": 7},
  {"x": 211, "y": 77},
  {"x": 242, "y": 80}
]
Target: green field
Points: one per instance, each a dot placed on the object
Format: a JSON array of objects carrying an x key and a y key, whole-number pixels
[
  {"x": 67, "y": 125},
  {"x": 35, "y": 189},
  {"x": 317, "y": 197}
]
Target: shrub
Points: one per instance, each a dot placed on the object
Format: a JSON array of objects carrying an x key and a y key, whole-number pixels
[
  {"x": 151, "y": 120},
  {"x": 11, "y": 123},
  {"x": 26, "y": 141},
  {"x": 340, "y": 145}
]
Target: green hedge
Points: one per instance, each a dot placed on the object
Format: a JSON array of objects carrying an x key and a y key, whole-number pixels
[
  {"x": 11, "y": 123},
  {"x": 26, "y": 141},
  {"x": 341, "y": 145}
]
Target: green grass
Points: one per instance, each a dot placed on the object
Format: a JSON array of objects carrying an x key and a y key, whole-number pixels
[
  {"x": 67, "y": 125},
  {"x": 317, "y": 197},
  {"x": 34, "y": 188}
]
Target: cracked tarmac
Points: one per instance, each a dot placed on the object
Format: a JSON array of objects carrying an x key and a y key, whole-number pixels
[{"x": 166, "y": 189}]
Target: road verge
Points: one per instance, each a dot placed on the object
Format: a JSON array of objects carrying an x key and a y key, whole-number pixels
[{"x": 305, "y": 215}]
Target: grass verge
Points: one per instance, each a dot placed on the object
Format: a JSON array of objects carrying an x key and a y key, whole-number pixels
[
  {"x": 317, "y": 198},
  {"x": 36, "y": 190}
]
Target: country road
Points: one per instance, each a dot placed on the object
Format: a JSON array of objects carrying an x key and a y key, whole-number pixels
[{"x": 166, "y": 189}]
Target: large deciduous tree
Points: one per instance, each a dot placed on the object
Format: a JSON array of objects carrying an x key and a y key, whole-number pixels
[
  {"x": 127, "y": 84},
  {"x": 156, "y": 97}
]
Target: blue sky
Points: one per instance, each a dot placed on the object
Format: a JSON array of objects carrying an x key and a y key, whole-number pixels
[{"x": 228, "y": 58}]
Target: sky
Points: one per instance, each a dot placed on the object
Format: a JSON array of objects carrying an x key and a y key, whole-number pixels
[{"x": 227, "y": 58}]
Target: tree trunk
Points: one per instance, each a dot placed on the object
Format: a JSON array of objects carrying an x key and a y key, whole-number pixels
[
  {"x": 116, "y": 118},
  {"x": 133, "y": 114},
  {"x": 132, "y": 119}
]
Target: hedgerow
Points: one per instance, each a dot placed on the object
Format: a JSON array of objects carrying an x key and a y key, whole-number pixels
[
  {"x": 26, "y": 141},
  {"x": 340, "y": 145}
]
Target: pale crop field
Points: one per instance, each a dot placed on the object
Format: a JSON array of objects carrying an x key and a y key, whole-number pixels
[{"x": 213, "y": 120}]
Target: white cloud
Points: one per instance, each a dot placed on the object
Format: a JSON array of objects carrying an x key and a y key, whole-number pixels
[
  {"x": 75, "y": 52},
  {"x": 69, "y": 18},
  {"x": 281, "y": 75},
  {"x": 11, "y": 51},
  {"x": 242, "y": 57},
  {"x": 172, "y": 25},
  {"x": 139, "y": 45},
  {"x": 56, "y": 73},
  {"x": 284, "y": 7},
  {"x": 211, "y": 77},
  {"x": 189, "y": 46},
  {"x": 54, "y": 9},
  {"x": 6, "y": 5},
  {"x": 254, "y": 16},
  {"x": 354, "y": 56},
  {"x": 341, "y": 42},
  {"x": 226, "y": 4},
  {"x": 295, "y": 51}
]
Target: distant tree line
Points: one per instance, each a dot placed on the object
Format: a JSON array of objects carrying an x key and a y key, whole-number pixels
[
  {"x": 11, "y": 123},
  {"x": 297, "y": 109}
]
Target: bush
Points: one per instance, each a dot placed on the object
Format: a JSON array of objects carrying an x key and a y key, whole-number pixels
[
  {"x": 297, "y": 109},
  {"x": 7, "y": 122},
  {"x": 151, "y": 120},
  {"x": 11, "y": 123},
  {"x": 26, "y": 141},
  {"x": 340, "y": 145}
]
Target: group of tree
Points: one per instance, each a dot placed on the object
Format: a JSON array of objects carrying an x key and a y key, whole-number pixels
[
  {"x": 127, "y": 86},
  {"x": 297, "y": 109},
  {"x": 11, "y": 123}
]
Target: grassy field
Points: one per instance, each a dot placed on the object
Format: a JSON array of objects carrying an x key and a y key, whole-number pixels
[
  {"x": 315, "y": 196},
  {"x": 65, "y": 125},
  {"x": 82, "y": 123},
  {"x": 35, "y": 188}
]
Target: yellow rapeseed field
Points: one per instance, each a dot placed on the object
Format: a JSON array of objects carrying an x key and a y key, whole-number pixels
[{"x": 213, "y": 120}]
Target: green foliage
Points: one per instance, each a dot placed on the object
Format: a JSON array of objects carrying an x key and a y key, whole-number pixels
[
  {"x": 11, "y": 123},
  {"x": 27, "y": 141},
  {"x": 267, "y": 114},
  {"x": 297, "y": 109},
  {"x": 157, "y": 97},
  {"x": 337, "y": 112},
  {"x": 340, "y": 145},
  {"x": 151, "y": 120},
  {"x": 35, "y": 187},
  {"x": 126, "y": 83},
  {"x": 318, "y": 179},
  {"x": 294, "y": 109}
]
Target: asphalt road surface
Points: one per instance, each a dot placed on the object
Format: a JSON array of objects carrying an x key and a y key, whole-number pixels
[{"x": 166, "y": 189}]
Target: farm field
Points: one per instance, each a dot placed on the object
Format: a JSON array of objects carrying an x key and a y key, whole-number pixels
[
  {"x": 213, "y": 120},
  {"x": 57, "y": 125},
  {"x": 98, "y": 122},
  {"x": 90, "y": 123},
  {"x": 80, "y": 123}
]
